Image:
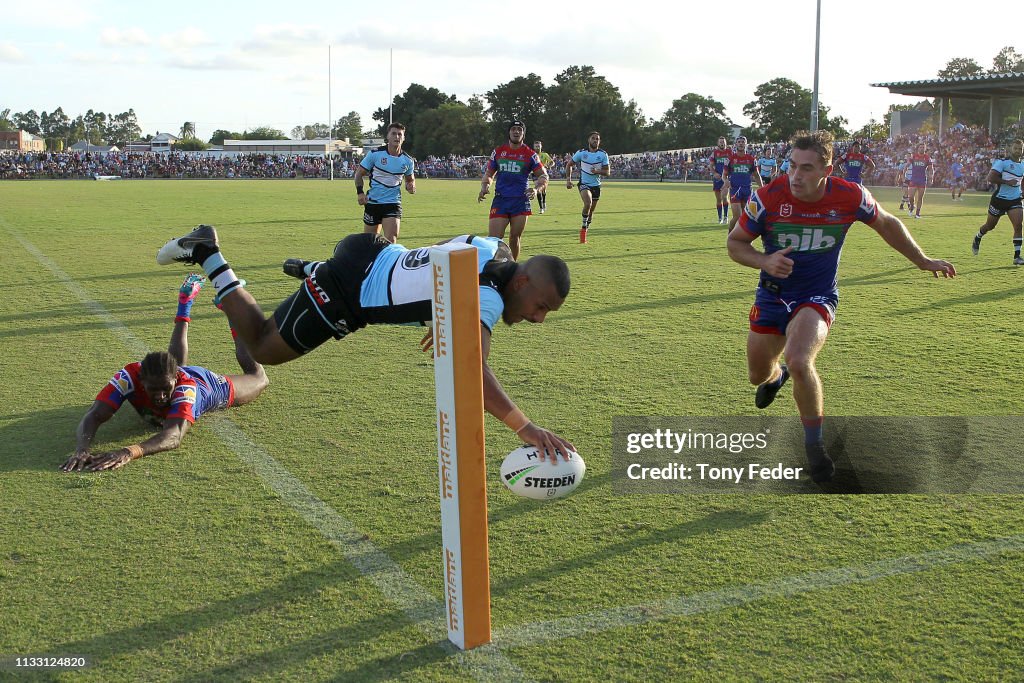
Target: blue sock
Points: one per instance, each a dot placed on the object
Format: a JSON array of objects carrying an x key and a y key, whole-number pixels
[
  {"x": 812, "y": 429},
  {"x": 184, "y": 311},
  {"x": 719, "y": 212}
]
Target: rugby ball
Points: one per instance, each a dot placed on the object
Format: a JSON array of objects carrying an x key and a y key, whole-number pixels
[{"x": 526, "y": 475}]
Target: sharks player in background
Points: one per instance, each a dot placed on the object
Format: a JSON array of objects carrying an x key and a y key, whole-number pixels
[
  {"x": 593, "y": 162},
  {"x": 386, "y": 168},
  {"x": 1006, "y": 174}
]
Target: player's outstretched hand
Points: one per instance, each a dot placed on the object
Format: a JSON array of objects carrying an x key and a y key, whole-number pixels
[
  {"x": 483, "y": 193},
  {"x": 937, "y": 266},
  {"x": 778, "y": 264},
  {"x": 78, "y": 461},
  {"x": 568, "y": 184},
  {"x": 531, "y": 194},
  {"x": 427, "y": 342},
  {"x": 546, "y": 442},
  {"x": 111, "y": 460},
  {"x": 361, "y": 199}
]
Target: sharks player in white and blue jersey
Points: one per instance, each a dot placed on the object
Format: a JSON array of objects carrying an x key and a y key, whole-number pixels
[
  {"x": 386, "y": 168},
  {"x": 370, "y": 281},
  {"x": 593, "y": 163},
  {"x": 1006, "y": 174}
]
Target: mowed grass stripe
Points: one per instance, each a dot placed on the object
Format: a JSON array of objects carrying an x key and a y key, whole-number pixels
[
  {"x": 686, "y": 605},
  {"x": 424, "y": 611}
]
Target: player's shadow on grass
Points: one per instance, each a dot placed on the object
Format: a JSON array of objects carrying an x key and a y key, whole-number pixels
[
  {"x": 884, "y": 277},
  {"x": 715, "y": 523},
  {"x": 44, "y": 439},
  {"x": 429, "y": 541},
  {"x": 236, "y": 610},
  {"x": 174, "y": 277},
  {"x": 657, "y": 304},
  {"x": 75, "y": 309},
  {"x": 627, "y": 254},
  {"x": 980, "y": 298},
  {"x": 386, "y": 668}
]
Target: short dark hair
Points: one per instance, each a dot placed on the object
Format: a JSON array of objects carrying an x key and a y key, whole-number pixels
[
  {"x": 553, "y": 269},
  {"x": 396, "y": 124},
  {"x": 593, "y": 132},
  {"x": 819, "y": 141},
  {"x": 158, "y": 364}
]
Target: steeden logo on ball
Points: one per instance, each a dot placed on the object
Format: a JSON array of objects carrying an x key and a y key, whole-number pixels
[{"x": 525, "y": 474}]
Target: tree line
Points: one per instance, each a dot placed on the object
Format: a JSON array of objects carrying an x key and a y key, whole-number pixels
[
  {"x": 561, "y": 114},
  {"x": 580, "y": 100}
]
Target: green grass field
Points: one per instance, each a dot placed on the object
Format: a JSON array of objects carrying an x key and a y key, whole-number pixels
[{"x": 298, "y": 538}]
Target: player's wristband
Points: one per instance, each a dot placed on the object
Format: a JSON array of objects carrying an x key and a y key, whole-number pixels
[
  {"x": 516, "y": 420},
  {"x": 359, "y": 191},
  {"x": 135, "y": 451}
]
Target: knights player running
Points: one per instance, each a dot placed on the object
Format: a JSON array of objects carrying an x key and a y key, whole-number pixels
[
  {"x": 853, "y": 163},
  {"x": 719, "y": 157},
  {"x": 741, "y": 167},
  {"x": 921, "y": 170},
  {"x": 511, "y": 165},
  {"x": 802, "y": 220}
]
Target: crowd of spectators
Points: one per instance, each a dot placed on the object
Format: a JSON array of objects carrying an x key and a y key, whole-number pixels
[
  {"x": 72, "y": 165},
  {"x": 972, "y": 147},
  {"x": 451, "y": 166}
]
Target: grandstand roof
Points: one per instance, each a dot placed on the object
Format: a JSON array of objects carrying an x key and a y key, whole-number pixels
[{"x": 980, "y": 87}]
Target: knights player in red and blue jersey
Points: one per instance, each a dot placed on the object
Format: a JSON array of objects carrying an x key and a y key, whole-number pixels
[
  {"x": 719, "y": 158},
  {"x": 853, "y": 162},
  {"x": 921, "y": 170},
  {"x": 166, "y": 392},
  {"x": 802, "y": 220},
  {"x": 511, "y": 165},
  {"x": 741, "y": 167}
]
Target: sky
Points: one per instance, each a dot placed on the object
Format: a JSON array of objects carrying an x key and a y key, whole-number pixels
[{"x": 235, "y": 66}]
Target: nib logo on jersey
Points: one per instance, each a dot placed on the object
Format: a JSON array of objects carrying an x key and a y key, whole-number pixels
[{"x": 810, "y": 239}]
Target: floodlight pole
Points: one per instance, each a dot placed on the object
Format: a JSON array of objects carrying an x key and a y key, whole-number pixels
[
  {"x": 817, "y": 55},
  {"x": 330, "y": 121}
]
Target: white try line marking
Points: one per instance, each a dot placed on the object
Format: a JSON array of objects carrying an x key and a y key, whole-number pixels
[{"x": 424, "y": 611}]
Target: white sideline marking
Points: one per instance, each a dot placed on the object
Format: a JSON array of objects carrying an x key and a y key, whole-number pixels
[
  {"x": 424, "y": 611},
  {"x": 686, "y": 605}
]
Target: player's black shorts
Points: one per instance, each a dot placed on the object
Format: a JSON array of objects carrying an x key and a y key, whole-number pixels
[
  {"x": 998, "y": 206},
  {"x": 374, "y": 214},
  {"x": 595, "y": 190},
  {"x": 327, "y": 303},
  {"x": 765, "y": 179}
]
